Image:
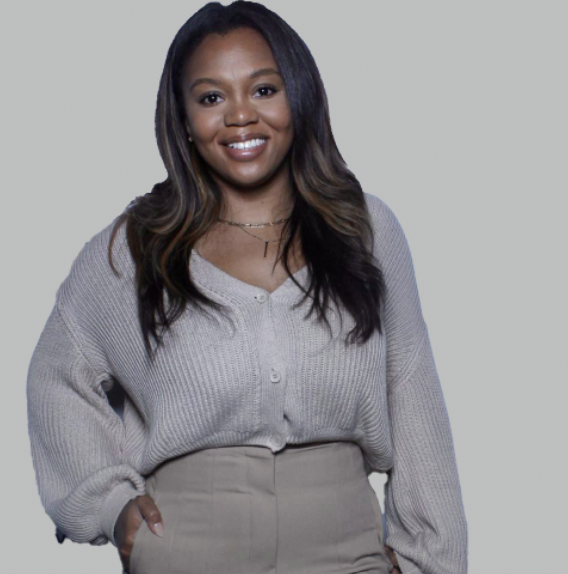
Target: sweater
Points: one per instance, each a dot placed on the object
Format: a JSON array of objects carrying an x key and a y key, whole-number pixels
[{"x": 269, "y": 377}]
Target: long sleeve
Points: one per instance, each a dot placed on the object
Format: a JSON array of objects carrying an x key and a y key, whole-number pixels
[
  {"x": 77, "y": 439},
  {"x": 425, "y": 518}
]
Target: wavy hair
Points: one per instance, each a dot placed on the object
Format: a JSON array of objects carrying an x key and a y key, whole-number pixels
[{"x": 329, "y": 210}]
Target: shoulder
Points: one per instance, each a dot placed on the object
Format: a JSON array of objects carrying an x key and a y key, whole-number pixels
[
  {"x": 91, "y": 277},
  {"x": 389, "y": 234}
]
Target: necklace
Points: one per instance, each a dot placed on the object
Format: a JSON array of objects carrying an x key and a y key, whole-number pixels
[{"x": 256, "y": 226}]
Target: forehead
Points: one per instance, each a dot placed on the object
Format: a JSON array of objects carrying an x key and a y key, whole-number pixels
[{"x": 232, "y": 56}]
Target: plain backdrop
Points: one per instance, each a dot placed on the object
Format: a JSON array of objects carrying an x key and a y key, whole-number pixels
[{"x": 454, "y": 113}]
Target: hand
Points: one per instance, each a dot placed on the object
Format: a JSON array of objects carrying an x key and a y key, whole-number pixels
[
  {"x": 129, "y": 520},
  {"x": 393, "y": 559}
]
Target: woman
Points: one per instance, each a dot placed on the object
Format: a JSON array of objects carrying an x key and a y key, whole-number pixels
[{"x": 260, "y": 314}]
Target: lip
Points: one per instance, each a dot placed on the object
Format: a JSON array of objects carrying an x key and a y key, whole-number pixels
[{"x": 246, "y": 154}]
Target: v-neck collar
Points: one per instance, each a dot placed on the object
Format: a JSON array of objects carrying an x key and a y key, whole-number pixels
[{"x": 218, "y": 279}]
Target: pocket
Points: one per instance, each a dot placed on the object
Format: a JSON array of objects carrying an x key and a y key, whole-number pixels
[
  {"x": 136, "y": 544},
  {"x": 385, "y": 560},
  {"x": 377, "y": 512}
]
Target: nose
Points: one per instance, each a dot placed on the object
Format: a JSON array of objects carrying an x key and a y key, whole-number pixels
[{"x": 240, "y": 112}]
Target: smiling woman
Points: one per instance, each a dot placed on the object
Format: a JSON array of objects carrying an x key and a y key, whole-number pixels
[
  {"x": 248, "y": 109},
  {"x": 246, "y": 444}
]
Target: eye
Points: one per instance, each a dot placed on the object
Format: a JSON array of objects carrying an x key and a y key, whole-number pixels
[
  {"x": 206, "y": 99},
  {"x": 267, "y": 87},
  {"x": 208, "y": 95}
]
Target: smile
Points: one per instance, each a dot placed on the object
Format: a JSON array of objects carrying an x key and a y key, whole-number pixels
[
  {"x": 246, "y": 145},
  {"x": 247, "y": 150}
]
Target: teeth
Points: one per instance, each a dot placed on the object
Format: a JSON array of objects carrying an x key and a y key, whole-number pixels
[{"x": 248, "y": 144}]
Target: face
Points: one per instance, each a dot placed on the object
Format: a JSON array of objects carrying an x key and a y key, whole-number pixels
[{"x": 232, "y": 88}]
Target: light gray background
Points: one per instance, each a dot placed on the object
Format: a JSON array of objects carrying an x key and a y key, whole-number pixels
[{"x": 454, "y": 113}]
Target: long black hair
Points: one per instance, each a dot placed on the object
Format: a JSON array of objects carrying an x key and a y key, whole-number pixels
[{"x": 329, "y": 210}]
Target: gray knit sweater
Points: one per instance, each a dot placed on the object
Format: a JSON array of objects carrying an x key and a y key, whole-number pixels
[{"x": 269, "y": 379}]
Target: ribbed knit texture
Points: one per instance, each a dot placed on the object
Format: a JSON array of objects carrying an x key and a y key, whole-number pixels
[{"x": 269, "y": 378}]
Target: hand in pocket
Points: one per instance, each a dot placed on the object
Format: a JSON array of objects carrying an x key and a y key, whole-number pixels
[{"x": 129, "y": 521}]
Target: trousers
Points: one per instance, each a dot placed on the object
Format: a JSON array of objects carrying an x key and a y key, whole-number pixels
[{"x": 307, "y": 509}]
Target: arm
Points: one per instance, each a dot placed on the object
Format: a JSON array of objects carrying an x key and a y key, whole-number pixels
[
  {"x": 425, "y": 519},
  {"x": 76, "y": 439}
]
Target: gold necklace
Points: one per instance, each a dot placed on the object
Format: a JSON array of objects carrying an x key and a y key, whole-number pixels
[{"x": 256, "y": 226}]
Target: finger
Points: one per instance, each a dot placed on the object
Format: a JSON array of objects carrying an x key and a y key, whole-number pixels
[
  {"x": 151, "y": 514},
  {"x": 127, "y": 532}
]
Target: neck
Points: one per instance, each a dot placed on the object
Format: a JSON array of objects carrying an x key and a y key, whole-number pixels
[{"x": 259, "y": 204}]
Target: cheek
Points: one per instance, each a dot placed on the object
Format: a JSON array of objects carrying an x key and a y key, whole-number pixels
[
  {"x": 206, "y": 126},
  {"x": 279, "y": 117},
  {"x": 204, "y": 122}
]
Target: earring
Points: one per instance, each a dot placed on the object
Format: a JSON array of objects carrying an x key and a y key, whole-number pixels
[{"x": 189, "y": 137}]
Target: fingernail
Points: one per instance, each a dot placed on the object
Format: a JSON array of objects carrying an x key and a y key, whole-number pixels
[{"x": 159, "y": 528}]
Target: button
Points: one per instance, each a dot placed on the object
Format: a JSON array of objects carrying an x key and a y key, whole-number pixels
[
  {"x": 261, "y": 297},
  {"x": 275, "y": 376},
  {"x": 278, "y": 441}
]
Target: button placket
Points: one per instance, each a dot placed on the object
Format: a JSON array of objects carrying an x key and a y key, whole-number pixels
[{"x": 273, "y": 386}]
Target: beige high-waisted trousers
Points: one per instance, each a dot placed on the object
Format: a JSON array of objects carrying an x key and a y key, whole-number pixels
[{"x": 308, "y": 509}]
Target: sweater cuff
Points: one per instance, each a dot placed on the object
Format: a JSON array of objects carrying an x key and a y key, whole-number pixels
[{"x": 113, "y": 505}]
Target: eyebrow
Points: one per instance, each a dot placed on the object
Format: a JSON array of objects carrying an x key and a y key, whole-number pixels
[{"x": 255, "y": 74}]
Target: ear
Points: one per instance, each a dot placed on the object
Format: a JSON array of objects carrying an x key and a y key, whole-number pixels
[{"x": 187, "y": 128}]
